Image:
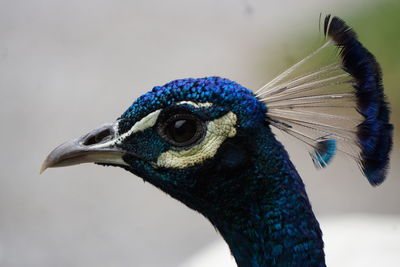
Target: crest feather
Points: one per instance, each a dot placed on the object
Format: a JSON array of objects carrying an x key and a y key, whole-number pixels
[{"x": 339, "y": 107}]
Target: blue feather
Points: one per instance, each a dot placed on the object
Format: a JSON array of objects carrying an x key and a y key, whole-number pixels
[
  {"x": 324, "y": 152},
  {"x": 375, "y": 133}
]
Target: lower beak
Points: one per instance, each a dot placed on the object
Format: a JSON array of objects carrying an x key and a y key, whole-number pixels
[{"x": 98, "y": 146}]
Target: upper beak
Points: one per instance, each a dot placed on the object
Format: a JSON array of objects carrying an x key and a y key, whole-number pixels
[{"x": 96, "y": 146}]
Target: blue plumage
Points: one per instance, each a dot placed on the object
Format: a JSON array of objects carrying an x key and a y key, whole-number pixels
[
  {"x": 375, "y": 132},
  {"x": 208, "y": 143},
  {"x": 216, "y": 90},
  {"x": 324, "y": 152}
]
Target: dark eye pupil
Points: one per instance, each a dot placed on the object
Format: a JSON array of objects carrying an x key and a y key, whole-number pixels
[{"x": 182, "y": 131}]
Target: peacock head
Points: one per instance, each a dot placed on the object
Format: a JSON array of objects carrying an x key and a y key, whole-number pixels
[
  {"x": 207, "y": 142},
  {"x": 185, "y": 137}
]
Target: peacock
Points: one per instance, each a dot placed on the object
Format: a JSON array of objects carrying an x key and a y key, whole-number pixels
[{"x": 208, "y": 142}]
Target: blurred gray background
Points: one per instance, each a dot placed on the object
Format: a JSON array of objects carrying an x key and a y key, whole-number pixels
[{"x": 68, "y": 66}]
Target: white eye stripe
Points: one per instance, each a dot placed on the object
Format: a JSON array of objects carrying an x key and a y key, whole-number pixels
[
  {"x": 217, "y": 131},
  {"x": 197, "y": 105},
  {"x": 145, "y": 123},
  {"x": 151, "y": 119}
]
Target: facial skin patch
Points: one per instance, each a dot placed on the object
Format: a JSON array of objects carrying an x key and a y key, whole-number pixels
[{"x": 217, "y": 131}]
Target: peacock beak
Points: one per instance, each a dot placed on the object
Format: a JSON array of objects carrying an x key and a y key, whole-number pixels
[{"x": 98, "y": 146}]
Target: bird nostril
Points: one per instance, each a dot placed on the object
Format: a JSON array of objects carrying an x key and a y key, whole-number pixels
[{"x": 99, "y": 137}]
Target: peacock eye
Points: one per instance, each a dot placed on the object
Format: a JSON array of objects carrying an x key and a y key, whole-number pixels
[{"x": 183, "y": 130}]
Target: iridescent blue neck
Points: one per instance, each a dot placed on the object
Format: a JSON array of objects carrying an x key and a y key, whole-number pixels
[{"x": 268, "y": 220}]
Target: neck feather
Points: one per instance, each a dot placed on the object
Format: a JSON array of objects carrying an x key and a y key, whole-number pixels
[{"x": 272, "y": 224}]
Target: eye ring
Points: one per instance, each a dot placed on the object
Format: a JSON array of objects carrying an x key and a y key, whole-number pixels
[{"x": 183, "y": 130}]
